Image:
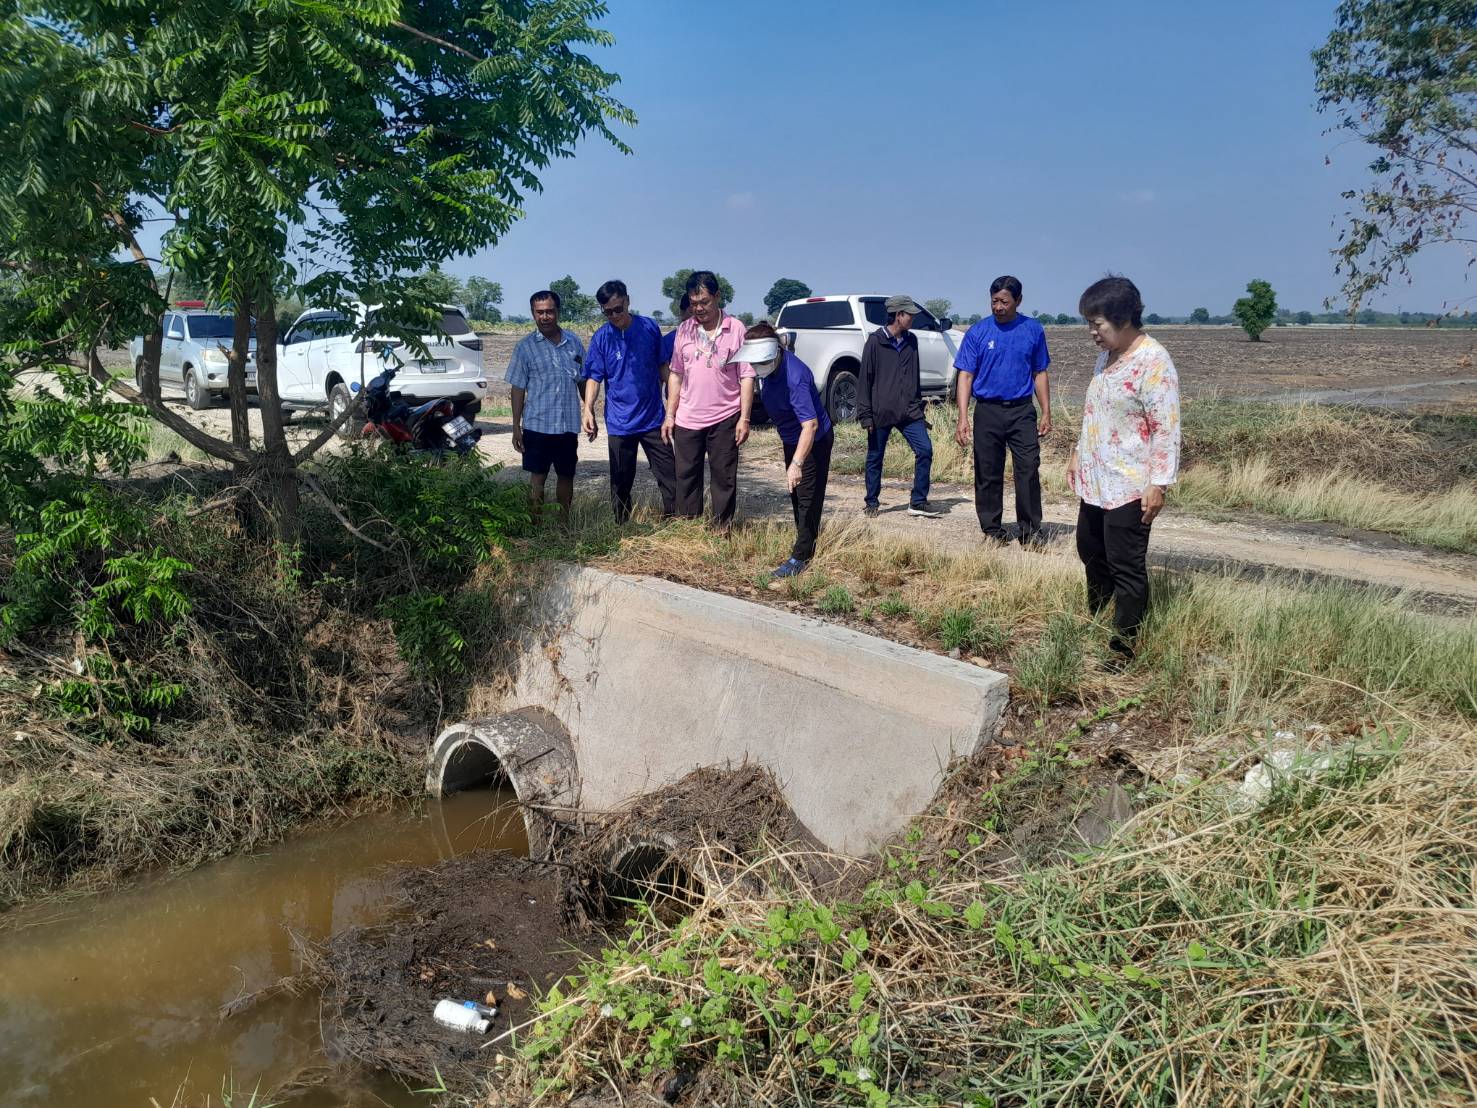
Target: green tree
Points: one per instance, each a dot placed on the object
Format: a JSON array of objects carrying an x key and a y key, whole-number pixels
[
  {"x": 939, "y": 306},
  {"x": 746, "y": 318},
  {"x": 376, "y": 140},
  {"x": 482, "y": 298},
  {"x": 1200, "y": 315},
  {"x": 1256, "y": 311},
  {"x": 782, "y": 292},
  {"x": 1304, "y": 318},
  {"x": 574, "y": 306},
  {"x": 674, "y": 286},
  {"x": 1154, "y": 319},
  {"x": 1063, "y": 318},
  {"x": 1400, "y": 76},
  {"x": 436, "y": 286}
]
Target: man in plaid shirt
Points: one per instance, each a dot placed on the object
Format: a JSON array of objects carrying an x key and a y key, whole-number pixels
[{"x": 545, "y": 377}]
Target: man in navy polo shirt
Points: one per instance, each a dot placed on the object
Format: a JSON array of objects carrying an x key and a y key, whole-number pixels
[
  {"x": 626, "y": 353},
  {"x": 1002, "y": 364}
]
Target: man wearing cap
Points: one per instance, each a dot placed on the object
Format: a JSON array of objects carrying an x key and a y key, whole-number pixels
[
  {"x": 889, "y": 395},
  {"x": 626, "y": 354},
  {"x": 1002, "y": 364}
]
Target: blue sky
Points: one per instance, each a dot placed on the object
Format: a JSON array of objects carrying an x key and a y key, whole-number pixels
[{"x": 928, "y": 148}]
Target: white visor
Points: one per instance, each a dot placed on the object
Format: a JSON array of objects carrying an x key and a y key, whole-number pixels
[{"x": 757, "y": 350}]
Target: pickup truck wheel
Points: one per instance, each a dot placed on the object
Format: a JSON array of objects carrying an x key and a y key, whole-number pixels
[
  {"x": 841, "y": 396},
  {"x": 339, "y": 400},
  {"x": 197, "y": 396},
  {"x": 138, "y": 374}
]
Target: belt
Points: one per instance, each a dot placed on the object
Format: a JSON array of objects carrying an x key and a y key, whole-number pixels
[{"x": 1006, "y": 403}]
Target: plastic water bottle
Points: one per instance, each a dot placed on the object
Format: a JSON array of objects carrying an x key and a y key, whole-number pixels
[{"x": 462, "y": 1015}]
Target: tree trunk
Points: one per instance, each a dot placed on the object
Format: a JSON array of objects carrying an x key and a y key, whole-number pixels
[
  {"x": 279, "y": 473},
  {"x": 240, "y": 349}
]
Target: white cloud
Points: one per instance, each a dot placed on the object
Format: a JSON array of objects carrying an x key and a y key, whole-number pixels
[
  {"x": 1137, "y": 196},
  {"x": 740, "y": 201}
]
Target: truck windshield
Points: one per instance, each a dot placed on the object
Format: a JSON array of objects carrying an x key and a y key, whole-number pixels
[{"x": 214, "y": 326}]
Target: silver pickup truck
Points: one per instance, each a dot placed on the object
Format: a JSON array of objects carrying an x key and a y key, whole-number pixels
[
  {"x": 193, "y": 358},
  {"x": 827, "y": 333}
]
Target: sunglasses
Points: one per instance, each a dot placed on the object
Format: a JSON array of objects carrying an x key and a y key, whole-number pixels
[{"x": 613, "y": 312}]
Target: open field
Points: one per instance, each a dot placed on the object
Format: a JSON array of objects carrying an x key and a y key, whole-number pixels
[{"x": 1391, "y": 366}]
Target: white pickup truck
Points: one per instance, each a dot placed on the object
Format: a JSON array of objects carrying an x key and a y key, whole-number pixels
[{"x": 827, "y": 333}]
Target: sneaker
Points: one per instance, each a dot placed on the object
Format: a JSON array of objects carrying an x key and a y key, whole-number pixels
[
  {"x": 997, "y": 538},
  {"x": 1036, "y": 540},
  {"x": 925, "y": 509},
  {"x": 870, "y": 511},
  {"x": 790, "y": 567}
]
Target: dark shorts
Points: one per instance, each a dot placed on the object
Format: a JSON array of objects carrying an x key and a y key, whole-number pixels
[{"x": 540, "y": 451}]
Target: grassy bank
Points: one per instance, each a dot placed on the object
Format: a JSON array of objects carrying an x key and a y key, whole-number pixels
[
  {"x": 174, "y": 688},
  {"x": 1411, "y": 477},
  {"x": 1316, "y": 947}
]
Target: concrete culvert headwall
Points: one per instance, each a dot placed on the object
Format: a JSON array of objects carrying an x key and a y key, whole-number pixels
[
  {"x": 530, "y": 750},
  {"x": 653, "y": 679}
]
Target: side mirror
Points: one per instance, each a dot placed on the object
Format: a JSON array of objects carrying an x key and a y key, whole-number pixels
[
  {"x": 946, "y": 324},
  {"x": 787, "y": 339},
  {"x": 175, "y": 335}
]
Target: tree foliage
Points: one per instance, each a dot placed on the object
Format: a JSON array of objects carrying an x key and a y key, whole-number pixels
[
  {"x": 1200, "y": 315},
  {"x": 674, "y": 286},
  {"x": 374, "y": 138},
  {"x": 1401, "y": 75},
  {"x": 782, "y": 292},
  {"x": 939, "y": 306},
  {"x": 481, "y": 298},
  {"x": 1256, "y": 310},
  {"x": 574, "y": 306}
]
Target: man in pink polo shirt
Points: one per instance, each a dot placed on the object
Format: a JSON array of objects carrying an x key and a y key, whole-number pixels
[{"x": 708, "y": 402}]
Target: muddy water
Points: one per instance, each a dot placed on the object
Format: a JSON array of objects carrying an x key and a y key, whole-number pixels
[{"x": 116, "y": 999}]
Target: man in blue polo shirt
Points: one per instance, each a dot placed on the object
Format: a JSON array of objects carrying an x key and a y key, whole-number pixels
[
  {"x": 626, "y": 353},
  {"x": 1002, "y": 364}
]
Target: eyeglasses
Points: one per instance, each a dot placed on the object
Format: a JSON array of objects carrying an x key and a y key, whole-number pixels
[{"x": 611, "y": 313}]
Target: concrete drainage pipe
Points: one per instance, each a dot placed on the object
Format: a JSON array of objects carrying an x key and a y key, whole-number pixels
[{"x": 530, "y": 750}]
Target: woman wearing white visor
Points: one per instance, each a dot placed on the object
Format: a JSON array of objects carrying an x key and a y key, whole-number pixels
[{"x": 787, "y": 388}]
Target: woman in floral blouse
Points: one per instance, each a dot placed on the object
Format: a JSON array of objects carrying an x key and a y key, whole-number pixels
[{"x": 1126, "y": 456}]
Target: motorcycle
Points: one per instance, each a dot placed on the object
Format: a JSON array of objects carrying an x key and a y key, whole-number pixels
[{"x": 435, "y": 427}]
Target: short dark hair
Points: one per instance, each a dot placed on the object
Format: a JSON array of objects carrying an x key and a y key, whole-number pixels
[
  {"x": 703, "y": 279},
  {"x": 546, "y": 294},
  {"x": 610, "y": 290},
  {"x": 685, "y": 304},
  {"x": 1010, "y": 284},
  {"x": 1115, "y": 299}
]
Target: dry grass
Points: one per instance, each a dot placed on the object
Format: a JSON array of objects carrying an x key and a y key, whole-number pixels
[
  {"x": 1446, "y": 520},
  {"x": 1319, "y": 950}
]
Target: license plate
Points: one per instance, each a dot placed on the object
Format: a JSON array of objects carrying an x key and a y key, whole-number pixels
[
  {"x": 440, "y": 365},
  {"x": 456, "y": 427}
]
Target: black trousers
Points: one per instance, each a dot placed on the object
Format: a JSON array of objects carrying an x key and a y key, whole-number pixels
[
  {"x": 1114, "y": 547},
  {"x": 623, "y": 471},
  {"x": 715, "y": 443},
  {"x": 809, "y": 496},
  {"x": 997, "y": 426}
]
